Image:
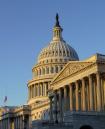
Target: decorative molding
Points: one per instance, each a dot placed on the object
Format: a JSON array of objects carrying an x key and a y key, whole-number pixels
[{"x": 70, "y": 69}]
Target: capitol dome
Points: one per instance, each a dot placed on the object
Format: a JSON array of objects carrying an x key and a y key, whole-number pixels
[
  {"x": 57, "y": 49},
  {"x": 51, "y": 61}
]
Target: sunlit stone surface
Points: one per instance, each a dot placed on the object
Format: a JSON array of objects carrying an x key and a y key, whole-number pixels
[{"x": 64, "y": 93}]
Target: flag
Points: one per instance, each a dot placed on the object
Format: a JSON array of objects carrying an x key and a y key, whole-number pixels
[{"x": 5, "y": 99}]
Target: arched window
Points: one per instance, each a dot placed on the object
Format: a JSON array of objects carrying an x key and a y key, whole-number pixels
[
  {"x": 56, "y": 60},
  {"x": 60, "y": 60},
  {"x": 56, "y": 53},
  {"x": 32, "y": 91},
  {"x": 39, "y": 90},
  {"x": 46, "y": 61},
  {"x": 65, "y": 60},
  {"x": 51, "y": 60},
  {"x": 61, "y": 68},
  {"x": 53, "y": 53},
  {"x": 47, "y": 70},
  {"x": 60, "y": 53},
  {"x": 43, "y": 70},
  {"x": 36, "y": 72},
  {"x": 56, "y": 69},
  {"x": 52, "y": 70},
  {"x": 39, "y": 71},
  {"x": 68, "y": 53},
  {"x": 64, "y": 53}
]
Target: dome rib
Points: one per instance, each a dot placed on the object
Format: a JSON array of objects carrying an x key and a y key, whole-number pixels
[{"x": 58, "y": 49}]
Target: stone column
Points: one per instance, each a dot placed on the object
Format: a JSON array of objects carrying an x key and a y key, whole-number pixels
[
  {"x": 14, "y": 123},
  {"x": 91, "y": 92},
  {"x": 71, "y": 97},
  {"x": 95, "y": 94},
  {"x": 65, "y": 98},
  {"x": 104, "y": 93},
  {"x": 98, "y": 91},
  {"x": 5, "y": 124},
  {"x": 77, "y": 95},
  {"x": 30, "y": 91},
  {"x": 38, "y": 89},
  {"x": 60, "y": 105},
  {"x": 8, "y": 123},
  {"x": 21, "y": 122},
  {"x": 34, "y": 91},
  {"x": 41, "y": 89},
  {"x": 0, "y": 125},
  {"x": 18, "y": 121},
  {"x": 55, "y": 107},
  {"x": 44, "y": 89},
  {"x": 51, "y": 109},
  {"x": 59, "y": 69},
  {"x": 23, "y": 125},
  {"x": 83, "y": 95}
]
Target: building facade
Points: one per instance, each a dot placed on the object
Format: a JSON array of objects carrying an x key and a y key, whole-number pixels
[
  {"x": 63, "y": 93},
  {"x": 50, "y": 62}
]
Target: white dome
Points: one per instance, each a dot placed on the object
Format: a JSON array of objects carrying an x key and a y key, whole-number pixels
[{"x": 58, "y": 50}]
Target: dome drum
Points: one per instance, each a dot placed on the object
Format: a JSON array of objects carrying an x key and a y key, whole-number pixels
[{"x": 47, "y": 70}]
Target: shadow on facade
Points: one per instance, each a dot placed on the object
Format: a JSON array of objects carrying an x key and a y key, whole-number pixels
[{"x": 86, "y": 127}]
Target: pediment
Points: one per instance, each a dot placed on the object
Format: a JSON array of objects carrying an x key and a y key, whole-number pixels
[{"x": 71, "y": 68}]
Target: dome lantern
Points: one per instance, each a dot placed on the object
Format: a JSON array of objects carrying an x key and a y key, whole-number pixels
[{"x": 57, "y": 30}]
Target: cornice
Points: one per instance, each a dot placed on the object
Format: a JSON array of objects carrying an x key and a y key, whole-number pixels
[{"x": 41, "y": 79}]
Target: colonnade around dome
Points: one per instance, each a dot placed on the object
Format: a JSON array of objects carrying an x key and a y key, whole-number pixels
[{"x": 45, "y": 70}]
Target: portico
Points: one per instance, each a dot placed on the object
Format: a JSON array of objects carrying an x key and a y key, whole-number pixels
[{"x": 83, "y": 88}]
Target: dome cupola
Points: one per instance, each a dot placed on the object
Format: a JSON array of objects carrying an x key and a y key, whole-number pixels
[
  {"x": 57, "y": 30},
  {"x": 57, "y": 49}
]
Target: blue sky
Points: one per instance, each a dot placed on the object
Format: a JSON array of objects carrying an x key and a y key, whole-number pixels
[{"x": 26, "y": 27}]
